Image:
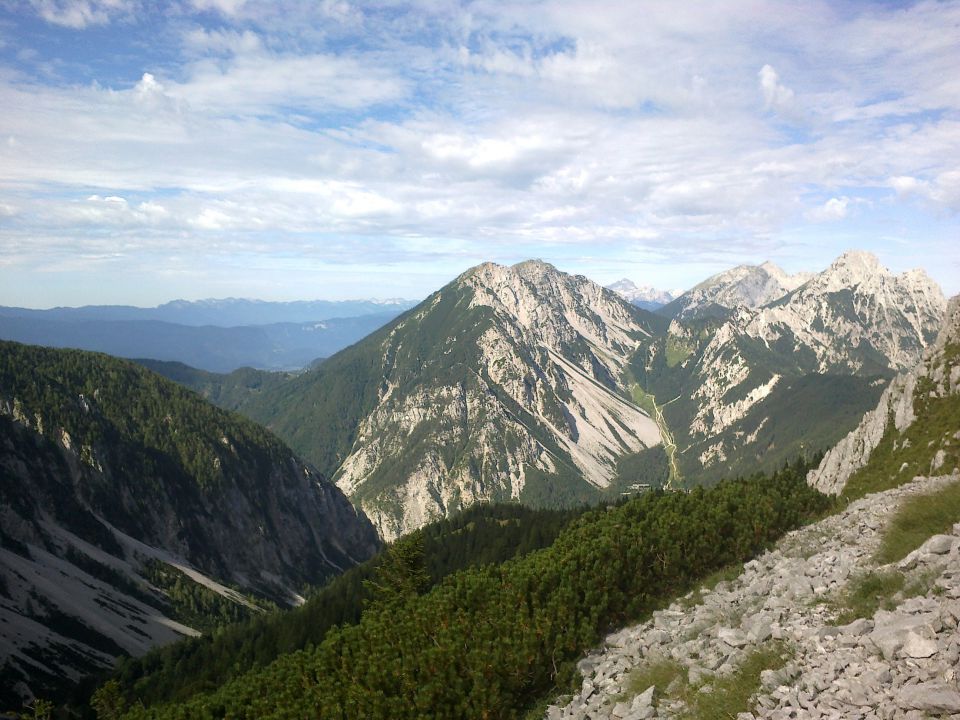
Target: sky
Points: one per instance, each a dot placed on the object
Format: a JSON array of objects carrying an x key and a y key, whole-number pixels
[{"x": 329, "y": 149}]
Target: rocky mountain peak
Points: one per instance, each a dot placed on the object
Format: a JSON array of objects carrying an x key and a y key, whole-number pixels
[
  {"x": 851, "y": 269},
  {"x": 534, "y": 266},
  {"x": 503, "y": 385},
  {"x": 748, "y": 286},
  {"x": 555, "y": 309}
]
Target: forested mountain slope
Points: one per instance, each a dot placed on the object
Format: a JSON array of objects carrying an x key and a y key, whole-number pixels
[
  {"x": 490, "y": 642},
  {"x": 481, "y": 535},
  {"x": 127, "y": 502}
]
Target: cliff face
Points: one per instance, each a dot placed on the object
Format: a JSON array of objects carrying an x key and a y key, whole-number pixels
[
  {"x": 937, "y": 377},
  {"x": 109, "y": 473}
]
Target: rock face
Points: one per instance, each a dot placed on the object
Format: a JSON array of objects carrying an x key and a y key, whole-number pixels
[
  {"x": 890, "y": 665},
  {"x": 854, "y": 315},
  {"x": 538, "y": 396},
  {"x": 829, "y": 347},
  {"x": 938, "y": 376},
  {"x": 106, "y": 470}
]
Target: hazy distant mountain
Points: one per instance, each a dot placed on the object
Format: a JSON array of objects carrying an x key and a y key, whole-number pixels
[
  {"x": 277, "y": 346},
  {"x": 643, "y": 296},
  {"x": 227, "y": 312}
]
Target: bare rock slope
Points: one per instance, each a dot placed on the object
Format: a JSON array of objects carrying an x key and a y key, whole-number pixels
[{"x": 900, "y": 663}]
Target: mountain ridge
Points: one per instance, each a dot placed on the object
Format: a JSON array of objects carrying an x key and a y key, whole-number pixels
[
  {"x": 748, "y": 286},
  {"x": 643, "y": 296}
]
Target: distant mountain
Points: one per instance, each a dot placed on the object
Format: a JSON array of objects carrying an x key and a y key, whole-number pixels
[
  {"x": 644, "y": 296},
  {"x": 743, "y": 286},
  {"x": 278, "y": 346},
  {"x": 503, "y": 385},
  {"x": 227, "y": 312},
  {"x": 798, "y": 372},
  {"x": 133, "y": 513}
]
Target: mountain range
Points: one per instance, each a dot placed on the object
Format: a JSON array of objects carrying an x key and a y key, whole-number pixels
[
  {"x": 226, "y": 312},
  {"x": 213, "y": 335},
  {"x": 643, "y": 296},
  {"x": 765, "y": 383},
  {"x": 134, "y": 512},
  {"x": 525, "y": 383}
]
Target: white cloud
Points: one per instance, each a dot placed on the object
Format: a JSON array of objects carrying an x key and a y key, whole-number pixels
[
  {"x": 222, "y": 41},
  {"x": 493, "y": 127},
  {"x": 776, "y": 96},
  {"x": 227, "y": 7},
  {"x": 79, "y": 14},
  {"x": 832, "y": 210},
  {"x": 260, "y": 83},
  {"x": 904, "y": 185},
  {"x": 946, "y": 189},
  {"x": 110, "y": 210}
]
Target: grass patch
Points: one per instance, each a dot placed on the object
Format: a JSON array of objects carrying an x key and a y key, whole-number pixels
[
  {"x": 881, "y": 590},
  {"x": 677, "y": 351},
  {"x": 724, "y": 574},
  {"x": 727, "y": 695},
  {"x": 900, "y": 457},
  {"x": 732, "y": 694},
  {"x": 661, "y": 672},
  {"x": 919, "y": 518},
  {"x": 868, "y": 593},
  {"x": 643, "y": 400},
  {"x": 922, "y": 584}
]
